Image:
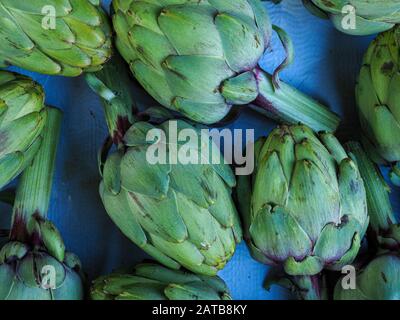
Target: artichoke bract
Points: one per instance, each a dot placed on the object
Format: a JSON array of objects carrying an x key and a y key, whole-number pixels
[
  {"x": 34, "y": 264},
  {"x": 56, "y": 37},
  {"x": 305, "y": 205},
  {"x": 200, "y": 57},
  {"x": 378, "y": 280},
  {"x": 370, "y": 16},
  {"x": 22, "y": 119},
  {"x": 378, "y": 100},
  {"x": 182, "y": 214},
  {"x": 383, "y": 222},
  {"x": 151, "y": 281}
]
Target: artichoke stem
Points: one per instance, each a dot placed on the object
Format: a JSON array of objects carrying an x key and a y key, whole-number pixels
[
  {"x": 286, "y": 104},
  {"x": 114, "y": 87},
  {"x": 34, "y": 188},
  {"x": 379, "y": 206},
  {"x": 311, "y": 287}
]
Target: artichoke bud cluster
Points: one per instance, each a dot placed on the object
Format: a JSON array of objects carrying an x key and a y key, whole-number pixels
[
  {"x": 151, "y": 281},
  {"x": 378, "y": 100},
  {"x": 308, "y": 208},
  {"x": 44, "y": 271},
  {"x": 22, "y": 119},
  {"x": 57, "y": 37}
]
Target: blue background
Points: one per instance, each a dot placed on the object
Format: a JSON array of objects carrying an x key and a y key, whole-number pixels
[{"x": 326, "y": 66}]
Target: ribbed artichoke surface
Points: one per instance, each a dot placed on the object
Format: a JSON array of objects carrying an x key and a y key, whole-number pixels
[
  {"x": 200, "y": 57},
  {"x": 181, "y": 51},
  {"x": 378, "y": 100},
  {"x": 153, "y": 282},
  {"x": 56, "y": 37},
  {"x": 25, "y": 272},
  {"x": 22, "y": 118},
  {"x": 305, "y": 205},
  {"x": 171, "y": 198},
  {"x": 379, "y": 280},
  {"x": 181, "y": 214},
  {"x": 371, "y": 16}
]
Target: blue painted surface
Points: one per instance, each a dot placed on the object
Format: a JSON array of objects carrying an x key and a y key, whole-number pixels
[{"x": 326, "y": 65}]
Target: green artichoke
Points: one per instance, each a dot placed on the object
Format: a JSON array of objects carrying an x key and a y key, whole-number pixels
[
  {"x": 180, "y": 214},
  {"x": 200, "y": 57},
  {"x": 22, "y": 118},
  {"x": 371, "y": 16},
  {"x": 153, "y": 282},
  {"x": 23, "y": 270},
  {"x": 56, "y": 37},
  {"x": 384, "y": 224},
  {"x": 307, "y": 208},
  {"x": 379, "y": 280},
  {"x": 34, "y": 264},
  {"x": 378, "y": 100}
]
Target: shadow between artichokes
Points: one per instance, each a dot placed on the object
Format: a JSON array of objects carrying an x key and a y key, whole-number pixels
[{"x": 307, "y": 209}]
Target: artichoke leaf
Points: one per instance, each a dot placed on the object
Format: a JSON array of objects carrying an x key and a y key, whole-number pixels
[
  {"x": 278, "y": 235},
  {"x": 313, "y": 200},
  {"x": 140, "y": 176},
  {"x": 185, "y": 26},
  {"x": 159, "y": 217},
  {"x": 190, "y": 291}
]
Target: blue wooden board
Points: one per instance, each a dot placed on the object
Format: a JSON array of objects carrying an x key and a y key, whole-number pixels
[{"x": 326, "y": 65}]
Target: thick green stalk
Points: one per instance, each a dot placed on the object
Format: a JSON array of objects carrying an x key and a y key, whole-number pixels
[
  {"x": 113, "y": 85},
  {"x": 34, "y": 188},
  {"x": 385, "y": 226},
  {"x": 379, "y": 207},
  {"x": 304, "y": 287},
  {"x": 284, "y": 103}
]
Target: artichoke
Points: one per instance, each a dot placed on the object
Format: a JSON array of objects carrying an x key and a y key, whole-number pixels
[
  {"x": 371, "y": 16},
  {"x": 379, "y": 280},
  {"x": 153, "y": 282},
  {"x": 384, "y": 224},
  {"x": 22, "y": 118},
  {"x": 180, "y": 214},
  {"x": 200, "y": 57},
  {"x": 34, "y": 264},
  {"x": 56, "y": 37},
  {"x": 378, "y": 100},
  {"x": 307, "y": 207}
]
